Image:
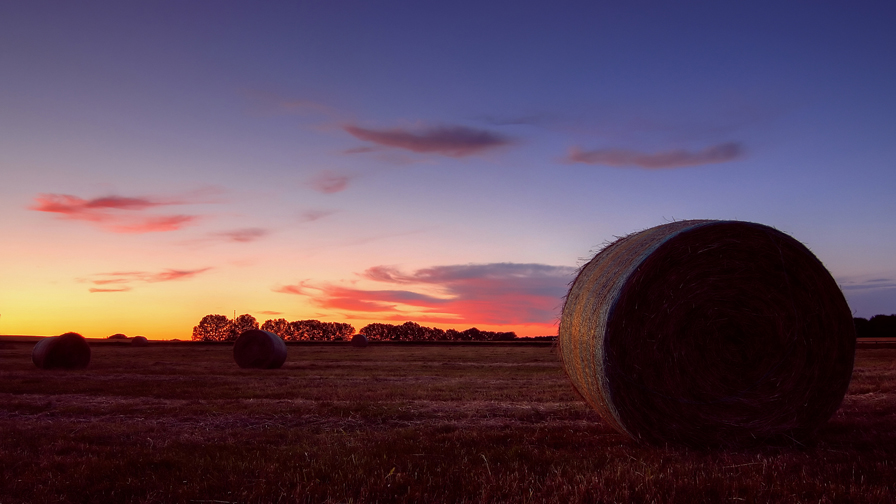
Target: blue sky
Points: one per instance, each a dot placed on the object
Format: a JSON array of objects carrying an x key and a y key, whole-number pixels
[{"x": 205, "y": 157}]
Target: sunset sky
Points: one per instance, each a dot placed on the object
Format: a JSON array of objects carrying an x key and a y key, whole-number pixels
[{"x": 450, "y": 163}]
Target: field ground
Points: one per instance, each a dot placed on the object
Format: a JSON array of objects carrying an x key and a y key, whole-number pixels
[{"x": 391, "y": 423}]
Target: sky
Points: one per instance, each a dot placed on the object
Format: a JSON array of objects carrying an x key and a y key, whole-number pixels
[{"x": 448, "y": 163}]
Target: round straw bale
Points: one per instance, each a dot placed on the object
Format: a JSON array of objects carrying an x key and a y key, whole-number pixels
[
  {"x": 259, "y": 349},
  {"x": 68, "y": 351},
  {"x": 359, "y": 341},
  {"x": 708, "y": 333},
  {"x": 139, "y": 341}
]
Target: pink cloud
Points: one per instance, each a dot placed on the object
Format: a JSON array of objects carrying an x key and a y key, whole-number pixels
[
  {"x": 497, "y": 294},
  {"x": 329, "y": 182},
  {"x": 721, "y": 153},
  {"x": 124, "y": 278},
  {"x": 453, "y": 141},
  {"x": 313, "y": 215},
  {"x": 360, "y": 150},
  {"x": 114, "y": 213},
  {"x": 95, "y": 289},
  {"x": 244, "y": 235}
]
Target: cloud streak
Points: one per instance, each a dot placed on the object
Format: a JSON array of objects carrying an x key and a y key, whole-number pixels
[
  {"x": 244, "y": 235},
  {"x": 120, "y": 280},
  {"x": 329, "y": 182},
  {"x": 721, "y": 153},
  {"x": 452, "y": 141},
  {"x": 119, "y": 214},
  {"x": 872, "y": 284},
  {"x": 492, "y": 294}
]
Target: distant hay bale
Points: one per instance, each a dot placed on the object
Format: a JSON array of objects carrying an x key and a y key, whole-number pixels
[
  {"x": 67, "y": 351},
  {"x": 708, "y": 333},
  {"x": 359, "y": 341},
  {"x": 259, "y": 349},
  {"x": 139, "y": 341}
]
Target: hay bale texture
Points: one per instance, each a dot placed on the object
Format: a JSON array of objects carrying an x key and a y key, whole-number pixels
[
  {"x": 259, "y": 349},
  {"x": 67, "y": 351},
  {"x": 359, "y": 341},
  {"x": 708, "y": 333}
]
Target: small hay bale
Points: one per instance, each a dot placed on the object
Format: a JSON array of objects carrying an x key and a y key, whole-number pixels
[
  {"x": 259, "y": 349},
  {"x": 67, "y": 351},
  {"x": 359, "y": 341},
  {"x": 139, "y": 341},
  {"x": 708, "y": 333}
]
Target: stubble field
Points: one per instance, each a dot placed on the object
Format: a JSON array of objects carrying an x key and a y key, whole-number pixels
[{"x": 180, "y": 422}]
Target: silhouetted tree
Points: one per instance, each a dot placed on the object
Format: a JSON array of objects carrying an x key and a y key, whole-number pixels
[
  {"x": 213, "y": 328},
  {"x": 279, "y": 326},
  {"x": 376, "y": 331},
  {"x": 882, "y": 326},
  {"x": 863, "y": 330},
  {"x": 242, "y": 324}
]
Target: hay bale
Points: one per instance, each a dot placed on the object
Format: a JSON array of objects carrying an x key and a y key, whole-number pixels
[
  {"x": 67, "y": 351},
  {"x": 359, "y": 341},
  {"x": 139, "y": 341},
  {"x": 259, "y": 349},
  {"x": 708, "y": 333}
]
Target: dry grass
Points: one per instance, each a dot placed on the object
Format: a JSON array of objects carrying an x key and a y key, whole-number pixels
[{"x": 390, "y": 424}]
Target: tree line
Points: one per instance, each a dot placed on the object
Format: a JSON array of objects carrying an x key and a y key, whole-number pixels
[
  {"x": 879, "y": 326},
  {"x": 412, "y": 331},
  {"x": 221, "y": 328}
]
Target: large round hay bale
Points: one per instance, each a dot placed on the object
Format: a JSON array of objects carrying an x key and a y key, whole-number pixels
[
  {"x": 67, "y": 351},
  {"x": 259, "y": 349},
  {"x": 708, "y": 333},
  {"x": 359, "y": 341},
  {"x": 139, "y": 341}
]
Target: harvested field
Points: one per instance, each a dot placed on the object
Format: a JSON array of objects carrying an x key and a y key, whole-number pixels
[{"x": 415, "y": 423}]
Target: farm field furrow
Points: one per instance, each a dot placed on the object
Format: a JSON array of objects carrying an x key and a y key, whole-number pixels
[{"x": 391, "y": 423}]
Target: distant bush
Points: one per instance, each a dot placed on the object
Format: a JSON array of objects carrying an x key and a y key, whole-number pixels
[
  {"x": 308, "y": 330},
  {"x": 879, "y": 326},
  {"x": 118, "y": 336},
  {"x": 412, "y": 331},
  {"x": 213, "y": 328}
]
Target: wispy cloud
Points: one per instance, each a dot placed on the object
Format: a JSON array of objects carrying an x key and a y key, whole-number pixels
[
  {"x": 536, "y": 119},
  {"x": 313, "y": 215},
  {"x": 244, "y": 235},
  {"x": 269, "y": 103},
  {"x": 678, "y": 158},
  {"x": 494, "y": 294},
  {"x": 97, "y": 289},
  {"x": 329, "y": 182},
  {"x": 872, "y": 284},
  {"x": 120, "y": 214},
  {"x": 122, "y": 279},
  {"x": 269, "y": 312},
  {"x": 361, "y": 150},
  {"x": 453, "y": 141}
]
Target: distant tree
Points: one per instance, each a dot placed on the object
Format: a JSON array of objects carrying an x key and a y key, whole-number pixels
[
  {"x": 502, "y": 336},
  {"x": 315, "y": 330},
  {"x": 213, "y": 328},
  {"x": 339, "y": 331},
  {"x": 118, "y": 336},
  {"x": 243, "y": 323},
  {"x": 882, "y": 326},
  {"x": 279, "y": 326},
  {"x": 376, "y": 331},
  {"x": 863, "y": 328}
]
